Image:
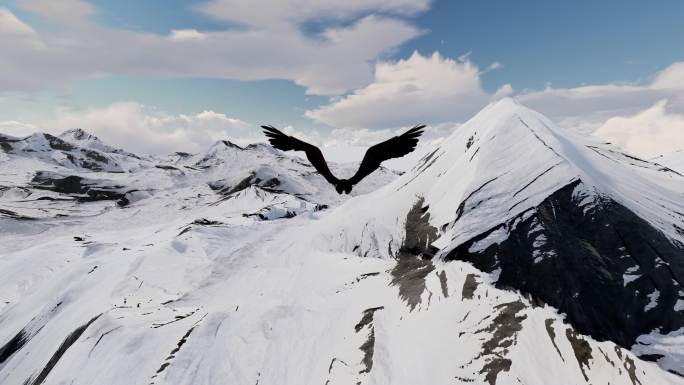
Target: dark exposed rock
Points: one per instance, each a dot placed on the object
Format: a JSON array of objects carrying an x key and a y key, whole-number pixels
[
  {"x": 6, "y": 143},
  {"x": 366, "y": 275},
  {"x": 250, "y": 180},
  {"x": 443, "y": 283},
  {"x": 419, "y": 233},
  {"x": 414, "y": 256},
  {"x": 273, "y": 182},
  {"x": 470, "y": 142},
  {"x": 83, "y": 157},
  {"x": 66, "y": 344},
  {"x": 172, "y": 355},
  {"x": 12, "y": 214},
  {"x": 223, "y": 189},
  {"x": 13, "y": 345},
  {"x": 367, "y": 318},
  {"x": 85, "y": 190},
  {"x": 462, "y": 207},
  {"x": 71, "y": 184},
  {"x": 24, "y": 335},
  {"x": 157, "y": 325},
  {"x": 368, "y": 347},
  {"x": 422, "y": 165},
  {"x": 167, "y": 167},
  {"x": 548, "y": 324},
  {"x": 474, "y": 153},
  {"x": 263, "y": 215},
  {"x": 578, "y": 266},
  {"x": 206, "y": 222},
  {"x": 651, "y": 357},
  {"x": 469, "y": 286},
  {"x": 581, "y": 348},
  {"x": 628, "y": 364},
  {"x": 504, "y": 329},
  {"x": 59, "y": 144}
]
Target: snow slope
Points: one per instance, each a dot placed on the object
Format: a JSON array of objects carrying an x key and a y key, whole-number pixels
[
  {"x": 240, "y": 265},
  {"x": 673, "y": 160}
]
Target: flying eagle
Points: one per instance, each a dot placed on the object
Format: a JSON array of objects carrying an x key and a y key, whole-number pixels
[{"x": 395, "y": 147}]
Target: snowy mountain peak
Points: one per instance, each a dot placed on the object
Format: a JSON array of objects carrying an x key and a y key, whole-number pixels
[
  {"x": 83, "y": 138},
  {"x": 221, "y": 144},
  {"x": 560, "y": 217},
  {"x": 73, "y": 149},
  {"x": 262, "y": 147},
  {"x": 78, "y": 134}
]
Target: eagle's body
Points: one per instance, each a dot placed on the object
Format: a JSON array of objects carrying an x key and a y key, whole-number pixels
[{"x": 395, "y": 147}]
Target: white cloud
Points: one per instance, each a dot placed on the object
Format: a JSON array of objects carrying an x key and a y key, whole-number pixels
[
  {"x": 649, "y": 133},
  {"x": 645, "y": 119},
  {"x": 279, "y": 14},
  {"x": 16, "y": 128},
  {"x": 14, "y": 32},
  {"x": 66, "y": 12},
  {"x": 670, "y": 77},
  {"x": 492, "y": 67},
  {"x": 186, "y": 35},
  {"x": 266, "y": 46},
  {"x": 607, "y": 100},
  {"x": 420, "y": 89},
  {"x": 502, "y": 92}
]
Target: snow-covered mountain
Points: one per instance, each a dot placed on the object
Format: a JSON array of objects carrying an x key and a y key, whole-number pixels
[{"x": 513, "y": 253}]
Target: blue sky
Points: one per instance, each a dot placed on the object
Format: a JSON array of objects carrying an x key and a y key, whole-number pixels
[{"x": 517, "y": 49}]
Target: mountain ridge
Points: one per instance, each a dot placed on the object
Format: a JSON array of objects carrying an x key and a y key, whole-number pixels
[{"x": 494, "y": 261}]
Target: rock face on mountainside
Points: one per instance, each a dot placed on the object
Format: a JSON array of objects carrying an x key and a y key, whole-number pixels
[
  {"x": 513, "y": 253},
  {"x": 615, "y": 276}
]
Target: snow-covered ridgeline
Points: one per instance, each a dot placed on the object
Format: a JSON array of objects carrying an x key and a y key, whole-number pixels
[{"x": 242, "y": 265}]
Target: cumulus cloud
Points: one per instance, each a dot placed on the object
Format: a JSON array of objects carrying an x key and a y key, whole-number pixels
[
  {"x": 649, "y": 133},
  {"x": 607, "y": 100},
  {"x": 266, "y": 45},
  {"x": 421, "y": 89},
  {"x": 670, "y": 77},
  {"x": 645, "y": 119}
]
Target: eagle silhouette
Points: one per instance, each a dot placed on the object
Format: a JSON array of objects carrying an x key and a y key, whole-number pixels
[{"x": 395, "y": 147}]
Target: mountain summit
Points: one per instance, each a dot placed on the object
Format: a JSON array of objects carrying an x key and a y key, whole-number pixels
[
  {"x": 514, "y": 252},
  {"x": 566, "y": 220}
]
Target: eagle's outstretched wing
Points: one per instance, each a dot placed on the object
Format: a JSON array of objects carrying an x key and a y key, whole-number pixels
[
  {"x": 395, "y": 147},
  {"x": 286, "y": 143}
]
